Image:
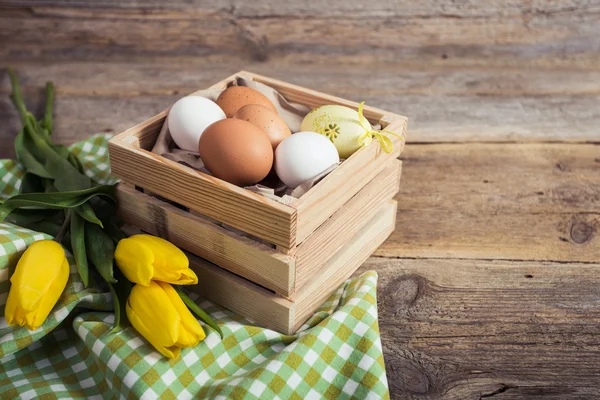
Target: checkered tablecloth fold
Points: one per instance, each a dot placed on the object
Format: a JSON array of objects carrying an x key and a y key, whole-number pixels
[{"x": 336, "y": 354}]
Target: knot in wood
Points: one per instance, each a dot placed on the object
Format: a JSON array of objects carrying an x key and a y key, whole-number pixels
[
  {"x": 414, "y": 379},
  {"x": 403, "y": 292},
  {"x": 581, "y": 232}
]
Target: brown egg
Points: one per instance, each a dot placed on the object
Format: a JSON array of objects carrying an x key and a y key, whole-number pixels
[
  {"x": 236, "y": 151},
  {"x": 265, "y": 119},
  {"x": 235, "y": 97}
]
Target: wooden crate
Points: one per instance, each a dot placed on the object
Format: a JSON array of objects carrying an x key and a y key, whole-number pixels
[
  {"x": 287, "y": 315},
  {"x": 286, "y": 255},
  {"x": 282, "y": 273}
]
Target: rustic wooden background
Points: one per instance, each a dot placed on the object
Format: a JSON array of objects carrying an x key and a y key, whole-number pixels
[{"x": 490, "y": 286}]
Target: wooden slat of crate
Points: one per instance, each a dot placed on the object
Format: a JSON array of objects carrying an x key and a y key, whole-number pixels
[
  {"x": 312, "y": 98},
  {"x": 241, "y": 255},
  {"x": 316, "y": 206},
  {"x": 330, "y": 237},
  {"x": 235, "y": 206},
  {"x": 272, "y": 311},
  {"x": 281, "y": 273},
  {"x": 344, "y": 263},
  {"x": 242, "y": 296}
]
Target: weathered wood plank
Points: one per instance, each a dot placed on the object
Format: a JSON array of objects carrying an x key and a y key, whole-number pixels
[
  {"x": 130, "y": 79},
  {"x": 466, "y": 329},
  {"x": 242, "y": 256},
  {"x": 265, "y": 8},
  {"x": 499, "y": 201},
  {"x": 556, "y": 34},
  {"x": 442, "y": 104}
]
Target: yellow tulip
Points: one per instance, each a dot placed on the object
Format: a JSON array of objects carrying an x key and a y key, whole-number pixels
[
  {"x": 143, "y": 258},
  {"x": 157, "y": 312},
  {"x": 37, "y": 283}
]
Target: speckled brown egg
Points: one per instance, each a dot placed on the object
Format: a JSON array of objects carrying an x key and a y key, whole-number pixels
[
  {"x": 235, "y": 97},
  {"x": 236, "y": 151},
  {"x": 265, "y": 119}
]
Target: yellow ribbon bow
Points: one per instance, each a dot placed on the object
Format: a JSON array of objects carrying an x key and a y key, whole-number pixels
[{"x": 386, "y": 144}]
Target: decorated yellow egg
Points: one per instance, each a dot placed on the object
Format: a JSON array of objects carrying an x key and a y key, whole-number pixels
[{"x": 346, "y": 128}]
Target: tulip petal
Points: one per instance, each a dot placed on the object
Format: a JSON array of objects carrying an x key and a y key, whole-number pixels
[
  {"x": 37, "y": 268},
  {"x": 49, "y": 300},
  {"x": 170, "y": 263},
  {"x": 135, "y": 259},
  {"x": 191, "y": 332},
  {"x": 185, "y": 277},
  {"x": 145, "y": 331},
  {"x": 153, "y": 307},
  {"x": 168, "y": 255},
  {"x": 39, "y": 279}
]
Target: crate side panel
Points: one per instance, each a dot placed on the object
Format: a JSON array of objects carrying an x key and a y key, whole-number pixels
[
  {"x": 241, "y": 296},
  {"x": 344, "y": 263},
  {"x": 319, "y": 204},
  {"x": 237, "y": 207},
  {"x": 240, "y": 255},
  {"x": 329, "y": 238}
]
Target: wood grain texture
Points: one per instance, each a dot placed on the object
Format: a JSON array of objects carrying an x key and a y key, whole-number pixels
[
  {"x": 325, "y": 198},
  {"x": 499, "y": 201},
  {"x": 443, "y": 104},
  {"x": 241, "y": 296},
  {"x": 241, "y": 255},
  {"x": 343, "y": 264},
  {"x": 556, "y": 33},
  {"x": 287, "y": 315},
  {"x": 453, "y": 326},
  {"x": 473, "y": 329},
  {"x": 312, "y": 255},
  {"x": 237, "y": 207}
]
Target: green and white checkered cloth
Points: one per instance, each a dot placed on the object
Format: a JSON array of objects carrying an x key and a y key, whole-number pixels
[{"x": 336, "y": 354}]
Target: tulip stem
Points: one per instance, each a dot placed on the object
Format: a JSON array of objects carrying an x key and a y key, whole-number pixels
[
  {"x": 63, "y": 229},
  {"x": 16, "y": 96}
]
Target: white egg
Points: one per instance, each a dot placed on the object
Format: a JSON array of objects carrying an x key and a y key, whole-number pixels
[
  {"x": 303, "y": 156},
  {"x": 189, "y": 117}
]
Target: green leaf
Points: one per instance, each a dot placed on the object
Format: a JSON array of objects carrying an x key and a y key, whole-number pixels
[
  {"x": 101, "y": 250},
  {"x": 46, "y": 221},
  {"x": 111, "y": 227},
  {"x": 61, "y": 150},
  {"x": 16, "y": 96},
  {"x": 87, "y": 212},
  {"x": 31, "y": 183},
  {"x": 54, "y": 158},
  {"x": 66, "y": 176},
  {"x": 29, "y": 217},
  {"x": 203, "y": 315},
  {"x": 49, "y": 186},
  {"x": 23, "y": 144},
  {"x": 58, "y": 200},
  {"x": 74, "y": 160},
  {"x": 47, "y": 122},
  {"x": 78, "y": 246},
  {"x": 120, "y": 293}
]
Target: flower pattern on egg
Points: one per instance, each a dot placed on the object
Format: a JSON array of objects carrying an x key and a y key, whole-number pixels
[{"x": 332, "y": 131}]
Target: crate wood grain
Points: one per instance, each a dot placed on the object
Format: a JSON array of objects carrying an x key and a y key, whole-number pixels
[
  {"x": 247, "y": 257},
  {"x": 241, "y": 255},
  {"x": 278, "y": 224},
  {"x": 287, "y": 315},
  {"x": 313, "y": 253},
  {"x": 235, "y": 206}
]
